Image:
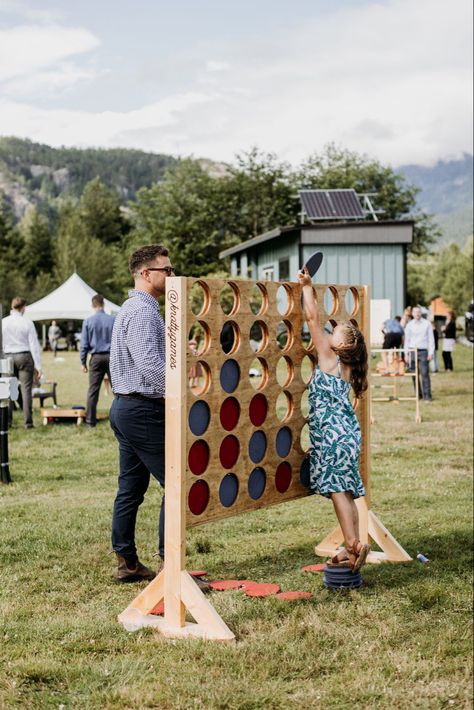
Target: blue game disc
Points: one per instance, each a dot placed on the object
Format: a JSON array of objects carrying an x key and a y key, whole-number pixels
[
  {"x": 257, "y": 446},
  {"x": 228, "y": 489},
  {"x": 283, "y": 442},
  {"x": 230, "y": 375},
  {"x": 256, "y": 483},
  {"x": 199, "y": 416}
]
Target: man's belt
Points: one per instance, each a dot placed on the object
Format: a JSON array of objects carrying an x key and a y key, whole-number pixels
[{"x": 137, "y": 395}]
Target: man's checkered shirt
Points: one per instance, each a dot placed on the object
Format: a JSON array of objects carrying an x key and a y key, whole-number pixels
[{"x": 137, "y": 353}]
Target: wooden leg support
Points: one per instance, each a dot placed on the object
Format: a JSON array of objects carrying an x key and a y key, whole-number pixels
[
  {"x": 371, "y": 530},
  {"x": 209, "y": 624}
]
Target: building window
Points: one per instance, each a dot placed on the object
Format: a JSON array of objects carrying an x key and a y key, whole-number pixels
[
  {"x": 268, "y": 273},
  {"x": 284, "y": 269}
]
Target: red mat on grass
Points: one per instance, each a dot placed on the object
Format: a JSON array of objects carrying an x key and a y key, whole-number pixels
[
  {"x": 314, "y": 568},
  {"x": 292, "y": 596},
  {"x": 261, "y": 589}
]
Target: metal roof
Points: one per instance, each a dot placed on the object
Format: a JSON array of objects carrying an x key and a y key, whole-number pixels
[{"x": 387, "y": 232}]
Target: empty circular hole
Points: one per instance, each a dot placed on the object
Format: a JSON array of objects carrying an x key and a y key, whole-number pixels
[
  {"x": 258, "y": 299},
  {"x": 284, "y": 335},
  {"x": 230, "y": 413},
  {"x": 305, "y": 472},
  {"x": 305, "y": 404},
  {"x": 198, "y": 497},
  {"x": 256, "y": 483},
  {"x": 198, "y": 418},
  {"x": 306, "y": 341},
  {"x": 199, "y": 377},
  {"x": 258, "y": 336},
  {"x": 304, "y": 438},
  {"x": 199, "y": 338},
  {"x": 228, "y": 489},
  {"x": 284, "y": 371},
  {"x": 284, "y": 299},
  {"x": 198, "y": 457},
  {"x": 308, "y": 363},
  {"x": 352, "y": 301},
  {"x": 284, "y": 406},
  {"x": 283, "y": 477},
  {"x": 258, "y": 373},
  {"x": 229, "y": 375},
  {"x": 258, "y": 409},
  {"x": 331, "y": 300},
  {"x": 199, "y": 298},
  {"x": 230, "y": 337},
  {"x": 229, "y": 451},
  {"x": 230, "y": 298},
  {"x": 283, "y": 442},
  {"x": 257, "y": 446}
]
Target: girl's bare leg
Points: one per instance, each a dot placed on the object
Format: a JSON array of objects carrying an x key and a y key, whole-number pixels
[{"x": 348, "y": 517}]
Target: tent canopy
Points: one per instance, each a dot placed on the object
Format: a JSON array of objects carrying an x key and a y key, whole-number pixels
[{"x": 70, "y": 301}]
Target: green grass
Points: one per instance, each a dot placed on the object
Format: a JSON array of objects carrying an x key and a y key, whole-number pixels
[{"x": 403, "y": 641}]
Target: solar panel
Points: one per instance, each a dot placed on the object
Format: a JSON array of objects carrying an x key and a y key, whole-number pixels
[{"x": 331, "y": 204}]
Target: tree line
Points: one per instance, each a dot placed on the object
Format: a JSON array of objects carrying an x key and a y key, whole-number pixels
[{"x": 195, "y": 214}]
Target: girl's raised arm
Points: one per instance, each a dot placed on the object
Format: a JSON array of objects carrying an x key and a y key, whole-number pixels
[{"x": 326, "y": 355}]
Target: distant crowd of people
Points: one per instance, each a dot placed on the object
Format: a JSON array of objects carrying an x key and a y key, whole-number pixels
[{"x": 411, "y": 331}]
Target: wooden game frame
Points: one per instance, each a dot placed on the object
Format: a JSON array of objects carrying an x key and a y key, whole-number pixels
[{"x": 174, "y": 585}]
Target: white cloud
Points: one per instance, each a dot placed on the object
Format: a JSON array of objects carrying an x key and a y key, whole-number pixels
[
  {"x": 32, "y": 57},
  {"x": 392, "y": 79}
]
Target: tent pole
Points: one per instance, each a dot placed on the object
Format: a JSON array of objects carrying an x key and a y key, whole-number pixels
[{"x": 44, "y": 335}]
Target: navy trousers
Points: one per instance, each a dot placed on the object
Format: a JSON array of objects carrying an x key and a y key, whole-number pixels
[
  {"x": 424, "y": 387},
  {"x": 139, "y": 426}
]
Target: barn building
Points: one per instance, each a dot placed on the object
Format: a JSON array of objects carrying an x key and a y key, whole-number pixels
[{"x": 358, "y": 248}]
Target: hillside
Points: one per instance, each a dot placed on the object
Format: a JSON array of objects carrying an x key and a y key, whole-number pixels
[
  {"x": 32, "y": 173},
  {"x": 446, "y": 192}
]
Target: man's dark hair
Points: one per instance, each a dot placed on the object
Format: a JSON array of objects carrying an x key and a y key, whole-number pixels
[
  {"x": 18, "y": 303},
  {"x": 144, "y": 256},
  {"x": 398, "y": 318},
  {"x": 98, "y": 300}
]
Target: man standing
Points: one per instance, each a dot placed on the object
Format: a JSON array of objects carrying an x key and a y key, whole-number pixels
[
  {"x": 96, "y": 337},
  {"x": 419, "y": 334},
  {"x": 137, "y": 415},
  {"x": 21, "y": 343}
]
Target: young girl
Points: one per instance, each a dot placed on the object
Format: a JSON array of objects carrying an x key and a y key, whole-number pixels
[{"x": 333, "y": 427}]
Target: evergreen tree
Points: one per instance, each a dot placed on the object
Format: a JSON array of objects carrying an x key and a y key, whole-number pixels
[{"x": 101, "y": 214}]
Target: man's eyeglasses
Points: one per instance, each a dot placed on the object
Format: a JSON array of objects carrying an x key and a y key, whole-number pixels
[{"x": 169, "y": 269}]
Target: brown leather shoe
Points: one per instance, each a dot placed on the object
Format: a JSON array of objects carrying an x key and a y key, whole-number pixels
[{"x": 128, "y": 572}]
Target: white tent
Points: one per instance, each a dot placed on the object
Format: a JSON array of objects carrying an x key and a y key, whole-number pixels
[{"x": 70, "y": 301}]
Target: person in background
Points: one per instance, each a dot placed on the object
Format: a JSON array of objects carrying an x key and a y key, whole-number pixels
[
  {"x": 419, "y": 334},
  {"x": 20, "y": 342},
  {"x": 393, "y": 338},
  {"x": 54, "y": 333},
  {"x": 96, "y": 337},
  {"x": 406, "y": 317},
  {"x": 434, "y": 368},
  {"x": 449, "y": 340}
]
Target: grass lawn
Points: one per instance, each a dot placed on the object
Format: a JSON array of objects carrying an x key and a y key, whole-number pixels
[{"x": 402, "y": 641}]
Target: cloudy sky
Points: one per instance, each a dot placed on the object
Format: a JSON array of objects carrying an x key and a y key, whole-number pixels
[{"x": 209, "y": 78}]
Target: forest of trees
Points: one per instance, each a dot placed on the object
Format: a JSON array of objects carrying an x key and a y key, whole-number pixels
[{"x": 197, "y": 215}]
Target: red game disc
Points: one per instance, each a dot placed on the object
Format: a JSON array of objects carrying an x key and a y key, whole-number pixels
[
  {"x": 198, "y": 457},
  {"x": 229, "y": 451},
  {"x": 292, "y": 596},
  {"x": 198, "y": 573},
  {"x": 222, "y": 584},
  {"x": 314, "y": 568},
  {"x": 159, "y": 609},
  {"x": 263, "y": 589},
  {"x": 258, "y": 408}
]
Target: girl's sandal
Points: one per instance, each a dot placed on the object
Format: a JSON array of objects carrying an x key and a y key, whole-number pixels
[
  {"x": 335, "y": 562},
  {"x": 361, "y": 555}
]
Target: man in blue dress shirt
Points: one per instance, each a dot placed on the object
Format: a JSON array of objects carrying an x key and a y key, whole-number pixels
[
  {"x": 137, "y": 415},
  {"x": 96, "y": 336}
]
